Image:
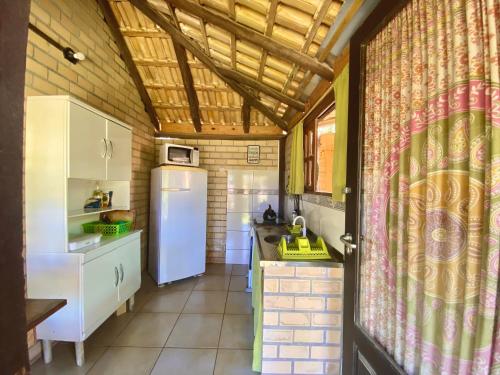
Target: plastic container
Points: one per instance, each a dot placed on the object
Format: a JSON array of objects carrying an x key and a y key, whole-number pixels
[
  {"x": 113, "y": 229},
  {"x": 302, "y": 249}
]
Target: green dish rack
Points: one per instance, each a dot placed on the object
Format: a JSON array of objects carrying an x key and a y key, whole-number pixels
[
  {"x": 112, "y": 229},
  {"x": 302, "y": 249}
]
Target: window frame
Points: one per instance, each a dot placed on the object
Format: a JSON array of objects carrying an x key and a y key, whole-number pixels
[{"x": 325, "y": 106}]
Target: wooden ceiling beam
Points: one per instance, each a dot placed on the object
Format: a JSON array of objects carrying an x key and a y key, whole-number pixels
[
  {"x": 178, "y": 36},
  {"x": 271, "y": 17},
  {"x": 245, "y": 116},
  {"x": 187, "y": 79},
  {"x": 166, "y": 63},
  {"x": 125, "y": 54},
  {"x": 187, "y": 76},
  {"x": 212, "y": 131},
  {"x": 311, "y": 33},
  {"x": 173, "y": 87},
  {"x": 181, "y": 107},
  {"x": 254, "y": 37},
  {"x": 259, "y": 86}
]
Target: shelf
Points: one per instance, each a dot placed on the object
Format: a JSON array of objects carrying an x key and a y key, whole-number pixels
[{"x": 92, "y": 211}]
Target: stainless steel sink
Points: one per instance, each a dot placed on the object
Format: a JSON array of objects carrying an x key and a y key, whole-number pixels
[{"x": 274, "y": 239}]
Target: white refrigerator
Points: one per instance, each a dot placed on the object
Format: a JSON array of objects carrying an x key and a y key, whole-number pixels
[{"x": 178, "y": 223}]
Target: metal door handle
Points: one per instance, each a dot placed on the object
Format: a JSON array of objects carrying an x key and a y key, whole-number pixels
[
  {"x": 117, "y": 276},
  {"x": 346, "y": 239},
  {"x": 122, "y": 273},
  {"x": 112, "y": 149},
  {"x": 106, "y": 148}
]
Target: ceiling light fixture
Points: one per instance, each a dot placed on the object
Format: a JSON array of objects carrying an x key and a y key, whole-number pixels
[{"x": 68, "y": 53}]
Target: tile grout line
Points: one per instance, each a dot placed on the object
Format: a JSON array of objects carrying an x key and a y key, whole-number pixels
[{"x": 172, "y": 330}]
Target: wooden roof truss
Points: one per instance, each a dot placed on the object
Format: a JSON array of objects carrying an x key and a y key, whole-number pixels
[{"x": 222, "y": 66}]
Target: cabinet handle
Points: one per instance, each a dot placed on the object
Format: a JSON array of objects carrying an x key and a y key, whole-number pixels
[
  {"x": 117, "y": 277},
  {"x": 105, "y": 149},
  {"x": 112, "y": 149},
  {"x": 122, "y": 273}
]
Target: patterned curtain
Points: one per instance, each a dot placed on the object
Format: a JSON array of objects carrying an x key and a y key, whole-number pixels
[{"x": 431, "y": 194}]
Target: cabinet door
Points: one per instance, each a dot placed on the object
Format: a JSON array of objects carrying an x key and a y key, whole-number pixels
[
  {"x": 87, "y": 144},
  {"x": 129, "y": 263},
  {"x": 120, "y": 153},
  {"x": 100, "y": 290}
]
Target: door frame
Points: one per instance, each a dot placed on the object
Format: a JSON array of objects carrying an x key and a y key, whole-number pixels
[
  {"x": 354, "y": 338},
  {"x": 14, "y": 19}
]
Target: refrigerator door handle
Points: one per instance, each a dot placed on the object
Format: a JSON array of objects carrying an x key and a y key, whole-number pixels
[{"x": 176, "y": 189}]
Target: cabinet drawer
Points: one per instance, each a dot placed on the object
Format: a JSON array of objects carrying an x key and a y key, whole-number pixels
[{"x": 100, "y": 292}]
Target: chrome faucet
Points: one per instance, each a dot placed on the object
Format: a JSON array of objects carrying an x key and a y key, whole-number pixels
[{"x": 304, "y": 229}]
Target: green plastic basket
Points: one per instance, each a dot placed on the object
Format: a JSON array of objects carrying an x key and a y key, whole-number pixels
[{"x": 113, "y": 229}]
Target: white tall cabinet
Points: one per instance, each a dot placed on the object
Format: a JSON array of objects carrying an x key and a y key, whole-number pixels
[{"x": 70, "y": 148}]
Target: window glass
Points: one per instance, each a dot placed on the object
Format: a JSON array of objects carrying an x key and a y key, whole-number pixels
[{"x": 325, "y": 133}]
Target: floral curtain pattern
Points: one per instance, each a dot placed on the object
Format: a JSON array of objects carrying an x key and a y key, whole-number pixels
[{"x": 431, "y": 188}]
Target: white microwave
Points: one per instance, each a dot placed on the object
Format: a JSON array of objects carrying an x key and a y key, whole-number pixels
[{"x": 179, "y": 155}]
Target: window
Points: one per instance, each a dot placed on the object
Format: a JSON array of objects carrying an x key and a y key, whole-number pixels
[{"x": 319, "y": 142}]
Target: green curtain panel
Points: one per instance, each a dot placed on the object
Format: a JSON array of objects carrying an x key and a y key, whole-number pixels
[
  {"x": 296, "y": 179},
  {"x": 341, "y": 87},
  {"x": 429, "y": 271}
]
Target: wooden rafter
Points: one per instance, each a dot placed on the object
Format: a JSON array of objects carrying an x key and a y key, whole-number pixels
[
  {"x": 127, "y": 58},
  {"x": 187, "y": 77},
  {"x": 164, "y": 63},
  {"x": 245, "y": 116},
  {"x": 271, "y": 16},
  {"x": 232, "y": 14},
  {"x": 263, "y": 41},
  {"x": 318, "y": 18},
  {"x": 325, "y": 52},
  {"x": 162, "y": 21},
  {"x": 259, "y": 86}
]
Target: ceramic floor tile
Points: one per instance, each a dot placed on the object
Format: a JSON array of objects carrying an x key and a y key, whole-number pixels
[
  {"x": 180, "y": 285},
  {"x": 185, "y": 362},
  {"x": 240, "y": 270},
  {"x": 126, "y": 361},
  {"x": 238, "y": 283},
  {"x": 196, "y": 331},
  {"x": 63, "y": 361},
  {"x": 166, "y": 301},
  {"x": 234, "y": 362},
  {"x": 239, "y": 303},
  {"x": 147, "y": 330},
  {"x": 213, "y": 282},
  {"x": 218, "y": 269},
  {"x": 109, "y": 330},
  {"x": 206, "y": 302},
  {"x": 237, "y": 332}
]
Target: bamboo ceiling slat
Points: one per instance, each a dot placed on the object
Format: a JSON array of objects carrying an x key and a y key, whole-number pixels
[{"x": 298, "y": 24}]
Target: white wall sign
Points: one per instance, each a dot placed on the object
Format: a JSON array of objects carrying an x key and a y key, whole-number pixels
[{"x": 253, "y": 154}]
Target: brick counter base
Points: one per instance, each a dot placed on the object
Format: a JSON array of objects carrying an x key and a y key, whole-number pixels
[{"x": 302, "y": 320}]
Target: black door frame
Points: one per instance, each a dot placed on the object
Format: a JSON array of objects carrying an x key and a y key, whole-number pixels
[
  {"x": 355, "y": 339},
  {"x": 14, "y": 17}
]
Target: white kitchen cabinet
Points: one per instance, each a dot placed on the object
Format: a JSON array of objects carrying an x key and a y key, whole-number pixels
[
  {"x": 91, "y": 282},
  {"x": 87, "y": 143},
  {"x": 129, "y": 261},
  {"x": 119, "y": 153},
  {"x": 100, "y": 289},
  {"x": 70, "y": 149}
]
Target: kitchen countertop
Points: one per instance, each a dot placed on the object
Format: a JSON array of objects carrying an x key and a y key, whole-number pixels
[{"x": 269, "y": 253}]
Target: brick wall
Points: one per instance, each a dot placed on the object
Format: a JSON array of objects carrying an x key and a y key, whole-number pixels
[
  {"x": 217, "y": 157},
  {"x": 101, "y": 80},
  {"x": 302, "y": 320}
]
